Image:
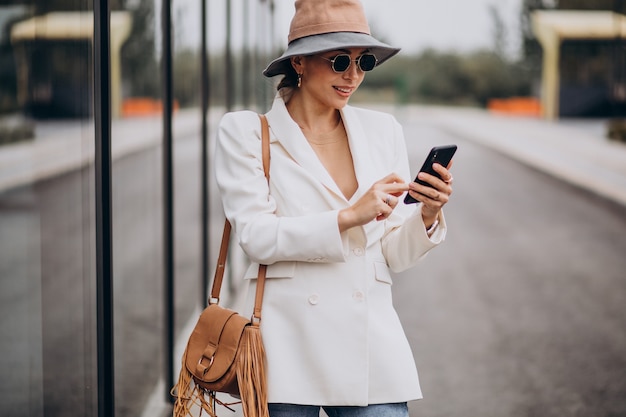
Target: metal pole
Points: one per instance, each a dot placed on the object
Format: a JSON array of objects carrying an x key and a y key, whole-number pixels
[
  {"x": 272, "y": 45},
  {"x": 168, "y": 197},
  {"x": 256, "y": 59},
  {"x": 618, "y": 81},
  {"x": 229, "y": 58},
  {"x": 230, "y": 88},
  {"x": 104, "y": 234},
  {"x": 204, "y": 81},
  {"x": 263, "y": 29},
  {"x": 245, "y": 71},
  {"x": 261, "y": 52}
]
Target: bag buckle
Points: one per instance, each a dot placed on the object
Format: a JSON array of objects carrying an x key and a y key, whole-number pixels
[{"x": 206, "y": 369}]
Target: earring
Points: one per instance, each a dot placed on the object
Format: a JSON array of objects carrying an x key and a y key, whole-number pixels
[{"x": 299, "y": 80}]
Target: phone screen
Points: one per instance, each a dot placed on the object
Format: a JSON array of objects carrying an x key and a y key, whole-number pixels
[{"x": 439, "y": 154}]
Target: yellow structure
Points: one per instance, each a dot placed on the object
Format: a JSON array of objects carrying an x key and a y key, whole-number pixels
[
  {"x": 551, "y": 27},
  {"x": 78, "y": 26}
]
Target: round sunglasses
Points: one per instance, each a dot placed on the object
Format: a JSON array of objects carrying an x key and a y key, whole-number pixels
[{"x": 341, "y": 62}]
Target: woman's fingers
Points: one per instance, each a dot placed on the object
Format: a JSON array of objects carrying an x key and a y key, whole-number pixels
[
  {"x": 392, "y": 184},
  {"x": 392, "y": 178},
  {"x": 377, "y": 203},
  {"x": 445, "y": 177},
  {"x": 436, "y": 196},
  {"x": 386, "y": 193}
]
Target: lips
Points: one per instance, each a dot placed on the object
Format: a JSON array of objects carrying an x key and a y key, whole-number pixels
[{"x": 344, "y": 90}]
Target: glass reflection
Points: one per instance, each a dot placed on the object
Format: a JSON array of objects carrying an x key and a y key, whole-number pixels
[
  {"x": 46, "y": 210},
  {"x": 137, "y": 205}
]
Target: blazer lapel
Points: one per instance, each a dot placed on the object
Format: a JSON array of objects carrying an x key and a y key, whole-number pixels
[
  {"x": 360, "y": 149},
  {"x": 288, "y": 134}
]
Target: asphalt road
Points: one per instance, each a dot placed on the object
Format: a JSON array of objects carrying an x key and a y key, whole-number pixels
[{"x": 522, "y": 311}]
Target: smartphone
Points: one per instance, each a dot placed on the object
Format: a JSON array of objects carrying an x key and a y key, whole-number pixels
[{"x": 439, "y": 154}]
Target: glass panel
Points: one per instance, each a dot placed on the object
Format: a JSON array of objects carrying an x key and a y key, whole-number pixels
[
  {"x": 187, "y": 158},
  {"x": 47, "y": 256},
  {"x": 137, "y": 204}
]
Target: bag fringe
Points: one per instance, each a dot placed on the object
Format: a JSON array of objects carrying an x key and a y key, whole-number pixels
[
  {"x": 188, "y": 395},
  {"x": 251, "y": 376}
]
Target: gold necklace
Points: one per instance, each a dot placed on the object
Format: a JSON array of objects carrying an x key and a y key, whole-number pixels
[
  {"x": 329, "y": 134},
  {"x": 340, "y": 139}
]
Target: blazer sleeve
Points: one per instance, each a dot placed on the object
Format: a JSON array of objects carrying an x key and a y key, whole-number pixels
[
  {"x": 265, "y": 237},
  {"x": 405, "y": 241}
]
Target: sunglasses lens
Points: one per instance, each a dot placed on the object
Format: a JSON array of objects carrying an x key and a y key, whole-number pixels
[
  {"x": 367, "y": 62},
  {"x": 341, "y": 63}
]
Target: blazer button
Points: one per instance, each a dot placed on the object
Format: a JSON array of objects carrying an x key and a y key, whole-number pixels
[
  {"x": 314, "y": 299},
  {"x": 358, "y": 296},
  {"x": 358, "y": 251}
]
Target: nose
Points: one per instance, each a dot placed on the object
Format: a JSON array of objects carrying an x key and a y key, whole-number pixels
[{"x": 352, "y": 72}]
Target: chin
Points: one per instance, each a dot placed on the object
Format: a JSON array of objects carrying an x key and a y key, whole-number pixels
[{"x": 340, "y": 104}]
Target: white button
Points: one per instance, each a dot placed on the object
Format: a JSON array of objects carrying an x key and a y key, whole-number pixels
[
  {"x": 314, "y": 299},
  {"x": 358, "y": 296},
  {"x": 358, "y": 251}
]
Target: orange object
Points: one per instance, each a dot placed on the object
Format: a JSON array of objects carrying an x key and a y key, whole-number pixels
[
  {"x": 143, "y": 106},
  {"x": 522, "y": 106}
]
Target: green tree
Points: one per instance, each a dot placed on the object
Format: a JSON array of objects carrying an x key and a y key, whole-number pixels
[
  {"x": 491, "y": 76},
  {"x": 440, "y": 77},
  {"x": 499, "y": 32},
  {"x": 140, "y": 68},
  {"x": 187, "y": 78}
]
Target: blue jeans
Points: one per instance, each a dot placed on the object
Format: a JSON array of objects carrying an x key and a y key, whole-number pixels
[{"x": 373, "y": 410}]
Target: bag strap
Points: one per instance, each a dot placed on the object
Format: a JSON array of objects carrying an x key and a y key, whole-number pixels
[{"x": 221, "y": 259}]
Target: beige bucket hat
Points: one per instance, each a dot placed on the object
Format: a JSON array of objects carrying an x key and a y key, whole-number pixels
[{"x": 327, "y": 25}]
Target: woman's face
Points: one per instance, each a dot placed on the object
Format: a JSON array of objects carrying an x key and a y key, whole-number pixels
[{"x": 321, "y": 84}]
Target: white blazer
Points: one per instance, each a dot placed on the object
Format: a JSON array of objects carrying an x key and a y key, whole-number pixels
[{"x": 331, "y": 334}]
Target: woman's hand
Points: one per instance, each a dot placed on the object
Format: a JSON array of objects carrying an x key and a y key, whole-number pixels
[
  {"x": 435, "y": 198},
  {"x": 377, "y": 203}
]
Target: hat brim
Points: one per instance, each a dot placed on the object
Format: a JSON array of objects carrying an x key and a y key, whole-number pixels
[{"x": 325, "y": 42}]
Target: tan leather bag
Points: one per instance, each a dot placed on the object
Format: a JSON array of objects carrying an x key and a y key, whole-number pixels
[{"x": 225, "y": 350}]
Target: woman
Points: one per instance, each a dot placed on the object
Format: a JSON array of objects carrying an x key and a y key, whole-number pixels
[{"x": 331, "y": 224}]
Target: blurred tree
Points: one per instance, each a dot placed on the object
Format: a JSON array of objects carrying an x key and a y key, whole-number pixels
[
  {"x": 441, "y": 77},
  {"x": 450, "y": 78},
  {"x": 531, "y": 50},
  {"x": 499, "y": 32},
  {"x": 140, "y": 67},
  {"x": 491, "y": 76},
  {"x": 187, "y": 77},
  {"x": 8, "y": 79}
]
